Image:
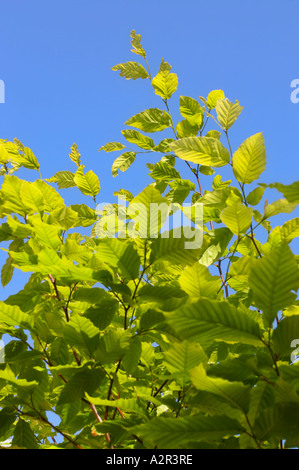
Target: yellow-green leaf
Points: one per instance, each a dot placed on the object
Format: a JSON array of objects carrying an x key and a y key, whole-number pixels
[
  {"x": 227, "y": 112},
  {"x": 249, "y": 161},
  {"x": 237, "y": 217},
  {"x": 88, "y": 183}
]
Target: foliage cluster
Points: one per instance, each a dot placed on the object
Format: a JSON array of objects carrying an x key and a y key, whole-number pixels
[{"x": 140, "y": 342}]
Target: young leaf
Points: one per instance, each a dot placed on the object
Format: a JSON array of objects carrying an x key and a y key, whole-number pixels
[
  {"x": 88, "y": 183},
  {"x": 136, "y": 44},
  {"x": 237, "y": 217},
  {"x": 186, "y": 129},
  {"x": 123, "y": 162},
  {"x": 27, "y": 159},
  {"x": 165, "y": 83},
  {"x": 165, "y": 433},
  {"x": 197, "y": 281},
  {"x": 213, "y": 98},
  {"x": 206, "y": 321},
  {"x": 112, "y": 147},
  {"x": 191, "y": 110},
  {"x": 132, "y": 357},
  {"x": 290, "y": 192},
  {"x": 64, "y": 179},
  {"x": 227, "y": 112},
  {"x": 24, "y": 437},
  {"x": 272, "y": 280},
  {"x": 235, "y": 394},
  {"x": 7, "y": 271},
  {"x": 150, "y": 120},
  {"x": 131, "y": 69},
  {"x": 82, "y": 334},
  {"x": 180, "y": 358},
  {"x": 86, "y": 380},
  {"x": 75, "y": 155},
  {"x": 278, "y": 207},
  {"x": 143, "y": 141},
  {"x": 255, "y": 196},
  {"x": 203, "y": 150},
  {"x": 249, "y": 161}
]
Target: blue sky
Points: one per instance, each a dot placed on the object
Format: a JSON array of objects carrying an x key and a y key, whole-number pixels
[{"x": 56, "y": 60}]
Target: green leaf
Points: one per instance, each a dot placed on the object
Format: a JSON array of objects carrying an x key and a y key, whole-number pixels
[
  {"x": 24, "y": 384},
  {"x": 32, "y": 197},
  {"x": 163, "y": 146},
  {"x": 227, "y": 112},
  {"x": 278, "y": 207},
  {"x": 206, "y": 321},
  {"x": 64, "y": 217},
  {"x": 82, "y": 334},
  {"x": 27, "y": 159},
  {"x": 136, "y": 44},
  {"x": 86, "y": 380},
  {"x": 85, "y": 216},
  {"x": 191, "y": 110},
  {"x": 47, "y": 235},
  {"x": 249, "y": 161},
  {"x": 162, "y": 171},
  {"x": 7, "y": 418},
  {"x": 132, "y": 357},
  {"x": 24, "y": 437},
  {"x": 180, "y": 190},
  {"x": 112, "y": 147},
  {"x": 289, "y": 230},
  {"x": 214, "y": 134},
  {"x": 172, "y": 247},
  {"x": 142, "y": 210},
  {"x": 206, "y": 170},
  {"x": 88, "y": 183},
  {"x": 255, "y": 196},
  {"x": 197, "y": 281},
  {"x": 120, "y": 254},
  {"x": 64, "y": 179},
  {"x": 204, "y": 150},
  {"x": 150, "y": 120},
  {"x": 213, "y": 98},
  {"x": 272, "y": 280},
  {"x": 215, "y": 245},
  {"x": 7, "y": 271},
  {"x": 11, "y": 192},
  {"x": 219, "y": 184},
  {"x": 75, "y": 155},
  {"x": 165, "y": 83},
  {"x": 143, "y": 141},
  {"x": 237, "y": 217},
  {"x": 123, "y": 162},
  {"x": 130, "y": 405},
  {"x": 13, "y": 315},
  {"x": 167, "y": 433},
  {"x": 235, "y": 394},
  {"x": 180, "y": 358},
  {"x": 186, "y": 129},
  {"x": 131, "y": 69},
  {"x": 290, "y": 192},
  {"x": 123, "y": 194},
  {"x": 52, "y": 199}
]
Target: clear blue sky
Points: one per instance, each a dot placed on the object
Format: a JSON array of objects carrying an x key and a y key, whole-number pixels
[{"x": 56, "y": 60}]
